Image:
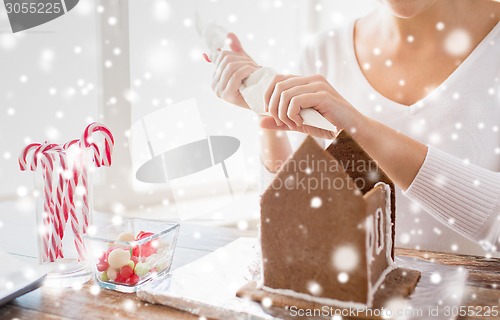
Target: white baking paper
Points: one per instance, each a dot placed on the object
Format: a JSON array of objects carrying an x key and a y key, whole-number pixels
[{"x": 213, "y": 281}]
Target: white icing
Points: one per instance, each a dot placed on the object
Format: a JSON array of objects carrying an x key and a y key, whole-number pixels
[
  {"x": 322, "y": 300},
  {"x": 372, "y": 288},
  {"x": 379, "y": 220},
  {"x": 215, "y": 37}
]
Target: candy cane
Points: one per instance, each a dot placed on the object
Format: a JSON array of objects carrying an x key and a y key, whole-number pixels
[
  {"x": 52, "y": 244},
  {"x": 61, "y": 194},
  {"x": 31, "y": 162},
  {"x": 86, "y": 142},
  {"x": 23, "y": 158},
  {"x": 58, "y": 209},
  {"x": 99, "y": 158},
  {"x": 71, "y": 185},
  {"x": 56, "y": 220},
  {"x": 49, "y": 212}
]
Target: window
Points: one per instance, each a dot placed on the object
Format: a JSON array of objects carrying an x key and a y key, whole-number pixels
[{"x": 379, "y": 230}]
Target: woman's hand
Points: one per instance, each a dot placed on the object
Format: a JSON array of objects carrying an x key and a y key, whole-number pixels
[
  {"x": 286, "y": 96},
  {"x": 231, "y": 68}
]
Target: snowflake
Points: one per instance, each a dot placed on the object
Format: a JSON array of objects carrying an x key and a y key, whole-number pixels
[
  {"x": 343, "y": 277},
  {"x": 243, "y": 225},
  {"x": 396, "y": 308},
  {"x": 345, "y": 258},
  {"x": 112, "y": 21},
  {"x": 267, "y": 302},
  {"x": 314, "y": 288},
  {"x": 52, "y": 133},
  {"x": 95, "y": 290},
  {"x": 77, "y": 286},
  {"x": 22, "y": 191},
  {"x": 161, "y": 10},
  {"x": 232, "y": 18},
  {"x": 404, "y": 238},
  {"x": 129, "y": 305},
  {"x": 458, "y": 42},
  {"x": 316, "y": 202},
  {"x": 440, "y": 26}
]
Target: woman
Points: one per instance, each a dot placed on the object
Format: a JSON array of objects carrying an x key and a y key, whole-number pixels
[{"x": 417, "y": 83}]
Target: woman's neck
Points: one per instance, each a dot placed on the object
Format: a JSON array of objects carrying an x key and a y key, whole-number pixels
[
  {"x": 405, "y": 59},
  {"x": 433, "y": 24},
  {"x": 421, "y": 26}
]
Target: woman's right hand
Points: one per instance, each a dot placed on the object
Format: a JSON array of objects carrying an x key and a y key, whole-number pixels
[{"x": 231, "y": 69}]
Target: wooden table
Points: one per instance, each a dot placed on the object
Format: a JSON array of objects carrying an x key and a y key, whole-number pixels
[{"x": 483, "y": 285}]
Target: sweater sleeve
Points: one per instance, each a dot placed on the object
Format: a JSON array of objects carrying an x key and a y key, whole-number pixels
[{"x": 463, "y": 196}]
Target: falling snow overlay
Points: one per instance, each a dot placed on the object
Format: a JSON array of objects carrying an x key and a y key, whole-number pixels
[{"x": 77, "y": 69}]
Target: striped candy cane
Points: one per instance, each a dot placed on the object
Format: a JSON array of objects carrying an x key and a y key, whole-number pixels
[
  {"x": 100, "y": 158},
  {"x": 71, "y": 185},
  {"x": 31, "y": 157},
  {"x": 87, "y": 141},
  {"x": 59, "y": 202}
]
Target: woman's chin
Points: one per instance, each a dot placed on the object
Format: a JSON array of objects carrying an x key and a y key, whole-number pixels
[{"x": 407, "y": 9}]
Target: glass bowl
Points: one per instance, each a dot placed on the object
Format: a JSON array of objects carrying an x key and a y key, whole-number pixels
[{"x": 128, "y": 255}]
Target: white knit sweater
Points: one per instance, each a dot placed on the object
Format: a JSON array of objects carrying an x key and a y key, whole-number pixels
[{"x": 453, "y": 203}]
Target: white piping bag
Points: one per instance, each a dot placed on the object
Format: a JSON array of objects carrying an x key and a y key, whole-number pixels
[{"x": 254, "y": 87}]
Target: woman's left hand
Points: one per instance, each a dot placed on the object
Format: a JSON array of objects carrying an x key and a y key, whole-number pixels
[{"x": 286, "y": 97}]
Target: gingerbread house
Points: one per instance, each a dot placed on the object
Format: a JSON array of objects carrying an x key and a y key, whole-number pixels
[{"x": 327, "y": 225}]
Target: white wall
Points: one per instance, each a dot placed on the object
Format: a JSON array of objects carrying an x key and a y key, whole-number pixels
[
  {"x": 166, "y": 67},
  {"x": 48, "y": 87},
  {"x": 166, "y": 62}
]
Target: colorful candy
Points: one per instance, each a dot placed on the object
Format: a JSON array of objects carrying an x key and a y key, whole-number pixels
[
  {"x": 118, "y": 258},
  {"x": 126, "y": 236},
  {"x": 129, "y": 264}
]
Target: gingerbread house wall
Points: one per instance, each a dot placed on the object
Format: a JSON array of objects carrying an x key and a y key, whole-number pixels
[
  {"x": 299, "y": 241},
  {"x": 379, "y": 240},
  {"x": 362, "y": 169}
]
